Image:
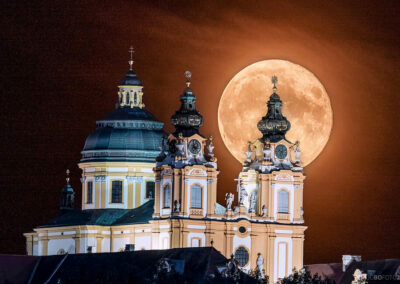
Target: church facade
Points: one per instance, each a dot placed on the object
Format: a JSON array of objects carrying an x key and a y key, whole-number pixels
[{"x": 145, "y": 189}]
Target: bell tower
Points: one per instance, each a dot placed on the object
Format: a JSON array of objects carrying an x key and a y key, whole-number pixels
[
  {"x": 271, "y": 185},
  {"x": 186, "y": 173}
]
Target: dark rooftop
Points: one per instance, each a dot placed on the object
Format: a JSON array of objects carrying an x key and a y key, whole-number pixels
[
  {"x": 105, "y": 217},
  {"x": 190, "y": 265}
]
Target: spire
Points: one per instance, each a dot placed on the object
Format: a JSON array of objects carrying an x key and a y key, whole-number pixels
[
  {"x": 67, "y": 196},
  {"x": 187, "y": 120},
  {"x": 130, "y": 78},
  {"x": 67, "y": 178},
  {"x": 274, "y": 81},
  {"x": 274, "y": 125},
  {"x": 131, "y": 51},
  {"x": 130, "y": 92},
  {"x": 188, "y": 76}
]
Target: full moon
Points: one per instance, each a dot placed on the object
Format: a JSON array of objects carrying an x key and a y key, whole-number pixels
[{"x": 306, "y": 105}]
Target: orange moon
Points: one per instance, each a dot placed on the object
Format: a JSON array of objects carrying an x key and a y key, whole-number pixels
[{"x": 306, "y": 105}]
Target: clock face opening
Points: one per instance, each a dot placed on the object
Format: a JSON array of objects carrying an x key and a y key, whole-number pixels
[
  {"x": 194, "y": 146},
  {"x": 281, "y": 151}
]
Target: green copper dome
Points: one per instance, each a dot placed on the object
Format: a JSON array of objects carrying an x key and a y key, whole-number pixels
[{"x": 127, "y": 134}]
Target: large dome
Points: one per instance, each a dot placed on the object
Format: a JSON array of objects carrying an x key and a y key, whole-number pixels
[{"x": 124, "y": 135}]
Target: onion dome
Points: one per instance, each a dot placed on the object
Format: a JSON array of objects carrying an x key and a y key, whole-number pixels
[
  {"x": 187, "y": 120},
  {"x": 67, "y": 196},
  {"x": 274, "y": 125},
  {"x": 129, "y": 133}
]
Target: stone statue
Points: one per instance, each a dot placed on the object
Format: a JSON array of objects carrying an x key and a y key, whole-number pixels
[
  {"x": 177, "y": 206},
  {"x": 301, "y": 213},
  {"x": 297, "y": 153},
  {"x": 229, "y": 197},
  {"x": 241, "y": 192},
  {"x": 249, "y": 153},
  {"x": 210, "y": 147},
  {"x": 267, "y": 152},
  {"x": 242, "y": 195},
  {"x": 264, "y": 211},
  {"x": 252, "y": 201},
  {"x": 260, "y": 264},
  {"x": 162, "y": 155}
]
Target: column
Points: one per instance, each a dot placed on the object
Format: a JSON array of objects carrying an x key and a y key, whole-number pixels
[
  {"x": 97, "y": 186},
  {"x": 138, "y": 189},
  {"x": 104, "y": 186},
  {"x": 98, "y": 243},
  {"x": 157, "y": 189},
  {"x": 176, "y": 193},
  {"x": 29, "y": 244},
  {"x": 270, "y": 256}
]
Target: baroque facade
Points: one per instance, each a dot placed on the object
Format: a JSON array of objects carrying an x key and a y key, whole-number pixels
[{"x": 134, "y": 195}]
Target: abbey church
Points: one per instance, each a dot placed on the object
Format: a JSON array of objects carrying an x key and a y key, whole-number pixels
[{"x": 144, "y": 189}]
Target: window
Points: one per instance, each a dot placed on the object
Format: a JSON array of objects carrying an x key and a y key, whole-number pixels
[
  {"x": 195, "y": 197},
  {"x": 150, "y": 189},
  {"x": 89, "y": 192},
  {"x": 195, "y": 242},
  {"x": 127, "y": 98},
  {"x": 242, "y": 256},
  {"x": 167, "y": 197},
  {"x": 283, "y": 201},
  {"x": 116, "y": 191}
]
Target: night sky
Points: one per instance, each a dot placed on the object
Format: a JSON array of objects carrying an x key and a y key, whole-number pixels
[{"x": 61, "y": 61}]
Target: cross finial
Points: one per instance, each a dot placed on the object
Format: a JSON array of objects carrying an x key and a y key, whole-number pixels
[
  {"x": 274, "y": 81},
  {"x": 131, "y": 51},
  {"x": 67, "y": 179},
  {"x": 188, "y": 76}
]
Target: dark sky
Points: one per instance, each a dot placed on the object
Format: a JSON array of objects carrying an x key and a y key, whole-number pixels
[{"x": 61, "y": 62}]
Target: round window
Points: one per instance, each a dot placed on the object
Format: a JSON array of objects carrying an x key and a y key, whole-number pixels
[
  {"x": 242, "y": 230},
  {"x": 242, "y": 256}
]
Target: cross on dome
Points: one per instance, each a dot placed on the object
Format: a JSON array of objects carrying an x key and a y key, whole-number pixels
[
  {"x": 188, "y": 76},
  {"x": 67, "y": 178},
  {"x": 131, "y": 51},
  {"x": 274, "y": 81}
]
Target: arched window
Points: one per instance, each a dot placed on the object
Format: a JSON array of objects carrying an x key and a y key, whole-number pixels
[
  {"x": 116, "y": 191},
  {"x": 167, "y": 196},
  {"x": 127, "y": 98},
  {"x": 195, "y": 196},
  {"x": 135, "y": 99},
  {"x": 283, "y": 201}
]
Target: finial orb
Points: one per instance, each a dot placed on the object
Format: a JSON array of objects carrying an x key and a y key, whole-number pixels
[
  {"x": 188, "y": 75},
  {"x": 67, "y": 178}
]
